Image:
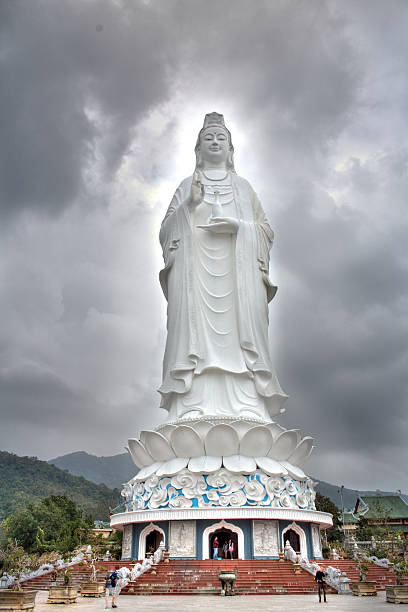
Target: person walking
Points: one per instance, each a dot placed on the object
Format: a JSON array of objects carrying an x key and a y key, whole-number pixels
[
  {"x": 112, "y": 587},
  {"x": 216, "y": 546},
  {"x": 321, "y": 585}
]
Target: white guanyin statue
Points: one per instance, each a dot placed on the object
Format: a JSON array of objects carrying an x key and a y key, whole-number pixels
[{"x": 216, "y": 242}]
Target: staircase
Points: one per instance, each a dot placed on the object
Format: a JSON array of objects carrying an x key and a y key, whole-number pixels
[{"x": 260, "y": 577}]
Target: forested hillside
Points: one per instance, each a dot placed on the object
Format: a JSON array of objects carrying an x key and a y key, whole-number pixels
[
  {"x": 112, "y": 471},
  {"x": 26, "y": 479}
]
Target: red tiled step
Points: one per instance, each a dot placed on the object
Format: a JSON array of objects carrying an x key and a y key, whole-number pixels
[{"x": 193, "y": 577}]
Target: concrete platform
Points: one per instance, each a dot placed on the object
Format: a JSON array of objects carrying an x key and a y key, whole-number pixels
[{"x": 245, "y": 603}]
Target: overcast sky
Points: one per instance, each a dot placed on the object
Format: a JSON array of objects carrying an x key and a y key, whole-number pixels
[{"x": 101, "y": 104}]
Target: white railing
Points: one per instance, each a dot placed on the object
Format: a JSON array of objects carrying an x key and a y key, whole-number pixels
[
  {"x": 43, "y": 570},
  {"x": 333, "y": 576},
  {"x": 381, "y": 562},
  {"x": 126, "y": 575}
]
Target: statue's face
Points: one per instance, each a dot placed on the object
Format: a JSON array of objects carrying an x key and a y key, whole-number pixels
[{"x": 214, "y": 145}]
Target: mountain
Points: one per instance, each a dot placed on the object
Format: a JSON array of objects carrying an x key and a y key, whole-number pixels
[
  {"x": 117, "y": 469},
  {"x": 27, "y": 479},
  {"x": 112, "y": 471},
  {"x": 333, "y": 492}
]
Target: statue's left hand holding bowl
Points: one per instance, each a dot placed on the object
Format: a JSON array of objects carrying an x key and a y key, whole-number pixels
[{"x": 221, "y": 225}]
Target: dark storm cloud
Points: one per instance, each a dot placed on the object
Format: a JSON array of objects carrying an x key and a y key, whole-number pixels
[
  {"x": 96, "y": 97},
  {"x": 57, "y": 65}
]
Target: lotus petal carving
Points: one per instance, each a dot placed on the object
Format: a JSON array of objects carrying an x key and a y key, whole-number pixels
[
  {"x": 221, "y": 440},
  {"x": 256, "y": 442},
  {"x": 302, "y": 451},
  {"x": 275, "y": 429},
  {"x": 148, "y": 471},
  {"x": 205, "y": 464},
  {"x": 202, "y": 428},
  {"x": 239, "y": 463},
  {"x": 270, "y": 466},
  {"x": 158, "y": 446},
  {"x": 241, "y": 427},
  {"x": 166, "y": 430},
  {"x": 294, "y": 471},
  {"x": 139, "y": 454},
  {"x": 186, "y": 442},
  {"x": 239, "y": 445},
  {"x": 284, "y": 445},
  {"x": 172, "y": 467}
]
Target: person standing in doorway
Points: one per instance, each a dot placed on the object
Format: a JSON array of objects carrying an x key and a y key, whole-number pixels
[
  {"x": 230, "y": 549},
  {"x": 321, "y": 585},
  {"x": 225, "y": 549},
  {"x": 216, "y": 546}
]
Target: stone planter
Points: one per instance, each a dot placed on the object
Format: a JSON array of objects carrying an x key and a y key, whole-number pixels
[
  {"x": 397, "y": 593},
  {"x": 16, "y": 600},
  {"x": 364, "y": 588},
  {"x": 92, "y": 589},
  {"x": 62, "y": 594}
]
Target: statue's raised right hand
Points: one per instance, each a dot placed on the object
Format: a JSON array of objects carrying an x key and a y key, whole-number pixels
[{"x": 196, "y": 192}]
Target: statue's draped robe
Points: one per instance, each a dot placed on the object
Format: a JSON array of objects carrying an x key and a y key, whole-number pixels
[{"x": 217, "y": 357}]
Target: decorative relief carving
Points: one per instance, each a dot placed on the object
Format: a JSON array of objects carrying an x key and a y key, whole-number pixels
[
  {"x": 127, "y": 542},
  {"x": 266, "y": 539},
  {"x": 317, "y": 544},
  {"x": 223, "y": 488},
  {"x": 182, "y": 539}
]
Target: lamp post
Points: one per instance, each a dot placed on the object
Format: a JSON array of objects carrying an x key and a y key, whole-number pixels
[{"x": 342, "y": 512}]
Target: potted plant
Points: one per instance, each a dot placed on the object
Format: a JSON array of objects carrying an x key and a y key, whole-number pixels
[
  {"x": 63, "y": 593},
  {"x": 16, "y": 563},
  {"x": 398, "y": 593},
  {"x": 363, "y": 587},
  {"x": 93, "y": 588}
]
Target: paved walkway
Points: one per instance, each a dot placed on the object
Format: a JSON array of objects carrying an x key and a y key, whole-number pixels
[{"x": 244, "y": 603}]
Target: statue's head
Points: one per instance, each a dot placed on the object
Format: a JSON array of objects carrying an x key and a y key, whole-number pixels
[{"x": 214, "y": 142}]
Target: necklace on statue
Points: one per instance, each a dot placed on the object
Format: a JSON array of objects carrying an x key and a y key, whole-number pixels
[{"x": 215, "y": 176}]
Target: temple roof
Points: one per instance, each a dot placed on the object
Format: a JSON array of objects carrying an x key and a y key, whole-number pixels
[{"x": 394, "y": 506}]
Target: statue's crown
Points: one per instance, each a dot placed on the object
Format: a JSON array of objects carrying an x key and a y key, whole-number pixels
[{"x": 213, "y": 119}]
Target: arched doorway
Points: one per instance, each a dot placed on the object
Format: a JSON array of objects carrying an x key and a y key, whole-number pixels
[
  {"x": 225, "y": 537},
  {"x": 294, "y": 540},
  {"x": 297, "y": 539},
  {"x": 151, "y": 536},
  {"x": 153, "y": 540},
  {"x": 207, "y": 552}
]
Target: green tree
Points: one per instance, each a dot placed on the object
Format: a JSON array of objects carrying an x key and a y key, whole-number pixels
[
  {"x": 54, "y": 524},
  {"x": 366, "y": 530},
  {"x": 325, "y": 504}
]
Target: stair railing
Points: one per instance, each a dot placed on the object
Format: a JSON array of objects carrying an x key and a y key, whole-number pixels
[
  {"x": 147, "y": 564},
  {"x": 334, "y": 577},
  {"x": 44, "y": 569}
]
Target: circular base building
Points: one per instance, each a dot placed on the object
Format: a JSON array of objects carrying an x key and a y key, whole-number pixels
[{"x": 254, "y": 495}]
